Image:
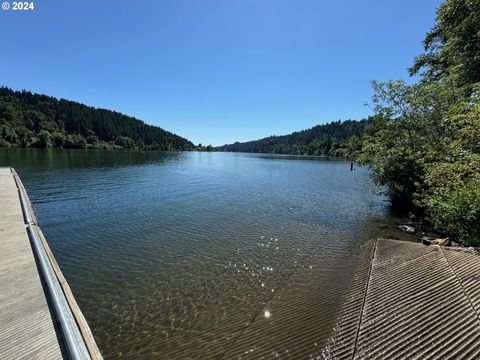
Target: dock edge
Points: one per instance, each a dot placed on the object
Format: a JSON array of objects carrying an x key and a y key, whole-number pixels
[{"x": 77, "y": 336}]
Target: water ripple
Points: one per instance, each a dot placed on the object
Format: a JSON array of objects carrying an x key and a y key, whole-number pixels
[{"x": 197, "y": 255}]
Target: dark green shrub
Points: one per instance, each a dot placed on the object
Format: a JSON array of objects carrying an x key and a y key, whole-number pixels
[
  {"x": 125, "y": 142},
  {"x": 75, "y": 141},
  {"x": 58, "y": 139},
  {"x": 44, "y": 139},
  {"x": 457, "y": 213}
]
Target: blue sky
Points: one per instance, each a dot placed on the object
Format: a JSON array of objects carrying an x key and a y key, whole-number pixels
[{"x": 215, "y": 71}]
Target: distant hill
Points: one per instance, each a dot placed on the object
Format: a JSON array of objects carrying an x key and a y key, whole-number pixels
[
  {"x": 34, "y": 120},
  {"x": 341, "y": 139}
]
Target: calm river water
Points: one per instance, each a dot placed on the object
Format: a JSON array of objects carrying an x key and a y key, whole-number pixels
[{"x": 203, "y": 255}]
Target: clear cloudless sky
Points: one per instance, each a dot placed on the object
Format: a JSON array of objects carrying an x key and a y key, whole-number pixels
[{"x": 215, "y": 71}]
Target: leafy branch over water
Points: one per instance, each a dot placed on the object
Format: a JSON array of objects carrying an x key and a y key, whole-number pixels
[{"x": 426, "y": 144}]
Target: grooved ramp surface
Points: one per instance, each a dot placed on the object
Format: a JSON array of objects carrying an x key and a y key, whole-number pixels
[
  {"x": 26, "y": 326},
  {"x": 412, "y": 302}
]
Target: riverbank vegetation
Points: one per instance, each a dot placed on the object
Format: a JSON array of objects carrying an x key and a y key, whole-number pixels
[
  {"x": 425, "y": 147},
  {"x": 34, "y": 120}
]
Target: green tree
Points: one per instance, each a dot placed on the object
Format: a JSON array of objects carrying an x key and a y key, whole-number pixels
[
  {"x": 425, "y": 144},
  {"x": 24, "y": 136},
  {"x": 75, "y": 141},
  {"x": 125, "y": 142},
  {"x": 452, "y": 47},
  {"x": 9, "y": 135},
  {"x": 92, "y": 139},
  {"x": 58, "y": 139},
  {"x": 44, "y": 139}
]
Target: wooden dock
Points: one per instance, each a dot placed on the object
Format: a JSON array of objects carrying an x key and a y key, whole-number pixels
[
  {"x": 411, "y": 301},
  {"x": 39, "y": 318}
]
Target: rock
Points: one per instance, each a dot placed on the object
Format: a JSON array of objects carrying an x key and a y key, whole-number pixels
[
  {"x": 406, "y": 228},
  {"x": 412, "y": 216},
  {"x": 439, "y": 242}
]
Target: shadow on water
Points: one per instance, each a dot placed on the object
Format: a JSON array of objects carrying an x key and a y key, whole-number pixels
[{"x": 204, "y": 255}]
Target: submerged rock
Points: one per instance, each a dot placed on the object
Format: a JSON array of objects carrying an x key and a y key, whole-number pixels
[{"x": 406, "y": 228}]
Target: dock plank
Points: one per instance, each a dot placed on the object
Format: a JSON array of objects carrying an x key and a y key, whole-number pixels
[{"x": 27, "y": 328}]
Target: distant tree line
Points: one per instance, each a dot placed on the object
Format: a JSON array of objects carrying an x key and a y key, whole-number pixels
[
  {"x": 34, "y": 120},
  {"x": 337, "y": 138}
]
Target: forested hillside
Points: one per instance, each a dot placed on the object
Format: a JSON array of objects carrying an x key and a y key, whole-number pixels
[
  {"x": 426, "y": 145},
  {"x": 35, "y": 120},
  {"x": 341, "y": 139}
]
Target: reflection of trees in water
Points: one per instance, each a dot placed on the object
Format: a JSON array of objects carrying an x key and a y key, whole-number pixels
[{"x": 52, "y": 159}]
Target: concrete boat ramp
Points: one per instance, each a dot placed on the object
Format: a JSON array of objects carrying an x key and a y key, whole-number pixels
[
  {"x": 39, "y": 318},
  {"x": 411, "y": 301}
]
